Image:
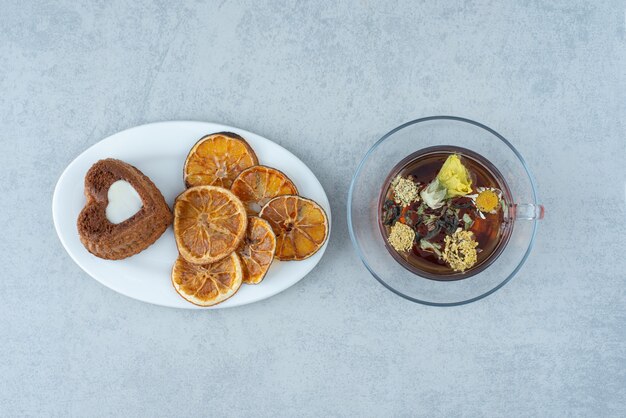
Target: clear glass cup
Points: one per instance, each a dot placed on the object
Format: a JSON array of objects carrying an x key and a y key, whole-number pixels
[{"x": 363, "y": 210}]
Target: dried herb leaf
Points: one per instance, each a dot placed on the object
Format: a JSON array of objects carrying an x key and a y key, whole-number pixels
[
  {"x": 433, "y": 233},
  {"x": 391, "y": 215},
  {"x": 430, "y": 221},
  {"x": 428, "y": 246},
  {"x": 468, "y": 221},
  {"x": 465, "y": 205}
]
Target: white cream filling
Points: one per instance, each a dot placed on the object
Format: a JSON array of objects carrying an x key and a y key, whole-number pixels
[{"x": 124, "y": 202}]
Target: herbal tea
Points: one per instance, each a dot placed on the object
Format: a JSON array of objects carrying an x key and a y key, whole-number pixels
[{"x": 444, "y": 213}]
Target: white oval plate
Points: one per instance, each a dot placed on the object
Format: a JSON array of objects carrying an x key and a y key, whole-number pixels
[{"x": 159, "y": 151}]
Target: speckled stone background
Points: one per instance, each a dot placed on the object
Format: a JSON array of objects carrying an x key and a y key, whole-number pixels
[{"x": 325, "y": 81}]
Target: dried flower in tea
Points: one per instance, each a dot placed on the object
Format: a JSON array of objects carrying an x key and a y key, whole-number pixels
[
  {"x": 455, "y": 177},
  {"x": 404, "y": 191},
  {"x": 487, "y": 200},
  {"x": 460, "y": 250},
  {"x": 401, "y": 237},
  {"x": 434, "y": 194}
]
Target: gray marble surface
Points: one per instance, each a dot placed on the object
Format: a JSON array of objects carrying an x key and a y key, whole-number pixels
[{"x": 325, "y": 81}]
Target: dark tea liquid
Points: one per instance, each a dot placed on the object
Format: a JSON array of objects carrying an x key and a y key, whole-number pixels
[{"x": 491, "y": 233}]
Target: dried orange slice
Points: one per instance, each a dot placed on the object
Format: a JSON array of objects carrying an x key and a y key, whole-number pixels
[
  {"x": 257, "y": 250},
  {"x": 209, "y": 223},
  {"x": 257, "y": 185},
  {"x": 215, "y": 160},
  {"x": 300, "y": 225},
  {"x": 207, "y": 284}
]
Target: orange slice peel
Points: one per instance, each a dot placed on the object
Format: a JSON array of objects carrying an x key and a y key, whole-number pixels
[
  {"x": 257, "y": 250},
  {"x": 217, "y": 159},
  {"x": 300, "y": 225},
  {"x": 257, "y": 185},
  {"x": 209, "y": 224},
  {"x": 208, "y": 284}
]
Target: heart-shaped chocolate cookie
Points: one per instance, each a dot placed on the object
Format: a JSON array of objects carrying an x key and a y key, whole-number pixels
[{"x": 114, "y": 241}]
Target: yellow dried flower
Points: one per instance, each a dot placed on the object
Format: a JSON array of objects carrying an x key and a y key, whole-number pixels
[
  {"x": 487, "y": 200},
  {"x": 460, "y": 250},
  {"x": 401, "y": 237},
  {"x": 454, "y": 177},
  {"x": 404, "y": 191}
]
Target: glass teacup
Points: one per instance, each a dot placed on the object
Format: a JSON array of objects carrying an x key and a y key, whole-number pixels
[{"x": 437, "y": 131}]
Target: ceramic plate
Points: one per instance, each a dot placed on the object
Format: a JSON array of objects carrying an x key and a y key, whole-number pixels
[{"x": 159, "y": 151}]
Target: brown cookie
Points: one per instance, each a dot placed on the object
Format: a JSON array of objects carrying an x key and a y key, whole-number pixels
[{"x": 116, "y": 241}]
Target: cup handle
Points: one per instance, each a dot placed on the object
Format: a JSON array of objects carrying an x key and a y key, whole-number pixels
[{"x": 527, "y": 211}]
